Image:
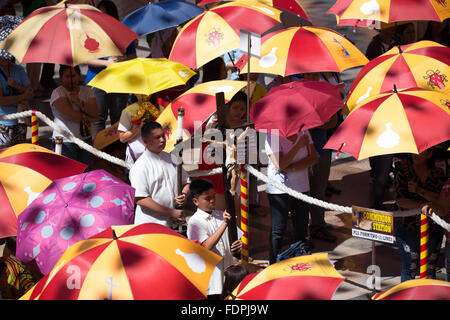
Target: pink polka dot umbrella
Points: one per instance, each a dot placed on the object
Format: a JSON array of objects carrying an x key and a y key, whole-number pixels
[{"x": 70, "y": 210}]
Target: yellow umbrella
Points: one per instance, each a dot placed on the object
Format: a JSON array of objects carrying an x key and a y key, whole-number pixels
[{"x": 142, "y": 76}]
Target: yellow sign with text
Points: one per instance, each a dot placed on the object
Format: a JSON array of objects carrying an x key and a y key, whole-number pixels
[{"x": 373, "y": 224}]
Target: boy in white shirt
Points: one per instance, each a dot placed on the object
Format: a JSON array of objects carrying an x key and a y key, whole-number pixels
[{"x": 210, "y": 228}]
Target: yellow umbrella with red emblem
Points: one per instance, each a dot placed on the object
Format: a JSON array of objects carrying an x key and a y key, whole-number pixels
[
  {"x": 424, "y": 64},
  {"x": 310, "y": 277}
]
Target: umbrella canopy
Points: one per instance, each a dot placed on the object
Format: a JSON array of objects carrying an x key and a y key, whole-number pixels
[
  {"x": 304, "y": 49},
  {"x": 7, "y": 25},
  {"x": 199, "y": 104},
  {"x": 423, "y": 64},
  {"x": 106, "y": 136},
  {"x": 25, "y": 171},
  {"x": 68, "y": 34},
  {"x": 310, "y": 277},
  {"x": 288, "y": 5},
  {"x": 391, "y": 11},
  {"x": 296, "y": 106},
  {"x": 217, "y": 31},
  {"x": 140, "y": 262},
  {"x": 404, "y": 121},
  {"x": 417, "y": 289},
  {"x": 142, "y": 76},
  {"x": 160, "y": 15},
  {"x": 70, "y": 210}
]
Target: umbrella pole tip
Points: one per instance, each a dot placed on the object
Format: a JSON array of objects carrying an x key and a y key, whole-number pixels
[{"x": 114, "y": 234}]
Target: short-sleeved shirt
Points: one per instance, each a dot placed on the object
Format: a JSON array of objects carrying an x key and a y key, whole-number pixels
[
  {"x": 297, "y": 180},
  {"x": 62, "y": 121},
  {"x": 136, "y": 144},
  {"x": 20, "y": 76},
  {"x": 155, "y": 176},
  {"x": 201, "y": 226},
  {"x": 233, "y": 55}
]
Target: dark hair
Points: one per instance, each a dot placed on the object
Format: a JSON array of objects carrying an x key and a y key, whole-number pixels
[
  {"x": 199, "y": 186},
  {"x": 239, "y": 96},
  {"x": 428, "y": 35},
  {"x": 234, "y": 274},
  {"x": 63, "y": 67},
  {"x": 148, "y": 127},
  {"x": 110, "y": 7},
  {"x": 212, "y": 69}
]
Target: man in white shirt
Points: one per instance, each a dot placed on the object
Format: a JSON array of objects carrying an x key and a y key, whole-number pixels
[{"x": 154, "y": 176}]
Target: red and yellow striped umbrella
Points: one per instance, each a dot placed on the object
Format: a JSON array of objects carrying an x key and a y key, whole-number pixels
[
  {"x": 132, "y": 262},
  {"x": 310, "y": 277},
  {"x": 25, "y": 171},
  {"x": 417, "y": 289},
  {"x": 288, "y": 5},
  {"x": 390, "y": 10},
  {"x": 68, "y": 34},
  {"x": 199, "y": 103},
  {"x": 424, "y": 64},
  {"x": 217, "y": 31},
  {"x": 304, "y": 49},
  {"x": 404, "y": 121}
]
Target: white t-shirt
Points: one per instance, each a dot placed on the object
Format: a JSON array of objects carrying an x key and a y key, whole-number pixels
[
  {"x": 201, "y": 226},
  {"x": 60, "y": 120},
  {"x": 298, "y": 180},
  {"x": 155, "y": 176},
  {"x": 136, "y": 144}
]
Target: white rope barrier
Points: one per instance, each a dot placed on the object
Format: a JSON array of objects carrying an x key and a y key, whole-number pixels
[
  {"x": 335, "y": 207},
  {"x": 68, "y": 135},
  {"x": 197, "y": 173}
]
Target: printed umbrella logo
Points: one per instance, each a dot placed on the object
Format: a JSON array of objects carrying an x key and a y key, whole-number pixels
[
  {"x": 301, "y": 267},
  {"x": 436, "y": 79},
  {"x": 214, "y": 37},
  {"x": 370, "y": 7},
  {"x": 442, "y": 3},
  {"x": 446, "y": 103},
  {"x": 91, "y": 44},
  {"x": 344, "y": 51},
  {"x": 389, "y": 138}
]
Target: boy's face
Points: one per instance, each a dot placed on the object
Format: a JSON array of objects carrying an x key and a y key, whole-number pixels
[{"x": 206, "y": 201}]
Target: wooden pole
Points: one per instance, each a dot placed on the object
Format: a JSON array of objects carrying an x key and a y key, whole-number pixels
[{"x": 229, "y": 199}]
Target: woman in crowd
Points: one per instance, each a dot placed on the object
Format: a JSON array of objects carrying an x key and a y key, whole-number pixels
[{"x": 74, "y": 108}]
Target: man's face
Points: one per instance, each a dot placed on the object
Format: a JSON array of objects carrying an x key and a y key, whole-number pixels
[
  {"x": 206, "y": 201},
  {"x": 155, "y": 141}
]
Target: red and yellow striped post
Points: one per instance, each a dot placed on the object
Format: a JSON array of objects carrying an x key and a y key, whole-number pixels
[
  {"x": 423, "y": 246},
  {"x": 34, "y": 128},
  {"x": 244, "y": 215}
]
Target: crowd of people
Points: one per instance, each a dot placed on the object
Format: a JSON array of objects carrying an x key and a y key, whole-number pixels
[{"x": 298, "y": 161}]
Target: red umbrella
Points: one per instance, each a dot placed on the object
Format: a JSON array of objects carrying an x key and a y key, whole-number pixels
[
  {"x": 301, "y": 104},
  {"x": 68, "y": 34},
  {"x": 310, "y": 277},
  {"x": 288, "y": 5}
]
